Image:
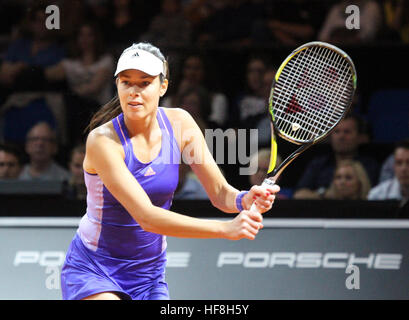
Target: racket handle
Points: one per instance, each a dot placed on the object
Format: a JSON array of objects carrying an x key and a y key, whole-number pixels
[
  {"x": 253, "y": 207},
  {"x": 266, "y": 183}
]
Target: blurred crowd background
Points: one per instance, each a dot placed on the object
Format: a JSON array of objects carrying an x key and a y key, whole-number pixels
[{"x": 223, "y": 55}]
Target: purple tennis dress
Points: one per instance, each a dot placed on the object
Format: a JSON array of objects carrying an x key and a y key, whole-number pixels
[{"x": 110, "y": 252}]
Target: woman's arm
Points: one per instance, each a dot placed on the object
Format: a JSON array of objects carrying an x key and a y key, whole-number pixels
[
  {"x": 196, "y": 153},
  {"x": 105, "y": 157}
]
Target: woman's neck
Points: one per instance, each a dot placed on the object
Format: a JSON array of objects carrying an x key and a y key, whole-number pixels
[{"x": 143, "y": 127}]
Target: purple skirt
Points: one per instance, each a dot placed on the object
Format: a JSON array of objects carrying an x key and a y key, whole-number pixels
[{"x": 86, "y": 273}]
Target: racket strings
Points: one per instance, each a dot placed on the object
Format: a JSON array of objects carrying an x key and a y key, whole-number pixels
[
  {"x": 318, "y": 121},
  {"x": 335, "y": 66},
  {"x": 283, "y": 96},
  {"x": 326, "y": 118},
  {"x": 291, "y": 118},
  {"x": 335, "y": 96},
  {"x": 319, "y": 125},
  {"x": 303, "y": 98},
  {"x": 312, "y": 92}
]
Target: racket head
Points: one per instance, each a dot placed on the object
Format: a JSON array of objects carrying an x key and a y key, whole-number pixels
[{"x": 311, "y": 92}]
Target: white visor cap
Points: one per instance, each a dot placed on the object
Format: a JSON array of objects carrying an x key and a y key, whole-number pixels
[{"x": 139, "y": 59}]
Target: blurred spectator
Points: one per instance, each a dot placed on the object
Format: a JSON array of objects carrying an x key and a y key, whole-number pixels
[
  {"x": 33, "y": 50},
  {"x": 259, "y": 163},
  {"x": 387, "y": 171},
  {"x": 196, "y": 101},
  {"x": 334, "y": 29},
  {"x": 11, "y": 13},
  {"x": 350, "y": 182},
  {"x": 124, "y": 23},
  {"x": 23, "y": 110},
  {"x": 228, "y": 22},
  {"x": 289, "y": 22},
  {"x": 24, "y": 99},
  {"x": 189, "y": 187},
  {"x": 251, "y": 104},
  {"x": 202, "y": 14},
  {"x": 75, "y": 188},
  {"x": 264, "y": 124},
  {"x": 90, "y": 68},
  {"x": 75, "y": 13},
  {"x": 87, "y": 73},
  {"x": 194, "y": 75},
  {"x": 397, "y": 18},
  {"x": 168, "y": 28},
  {"x": 345, "y": 141},
  {"x": 98, "y": 11},
  {"x": 196, "y": 11},
  {"x": 268, "y": 79},
  {"x": 397, "y": 187},
  {"x": 10, "y": 162},
  {"x": 41, "y": 147}
]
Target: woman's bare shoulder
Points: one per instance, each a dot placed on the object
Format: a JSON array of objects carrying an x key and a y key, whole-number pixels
[
  {"x": 180, "y": 118},
  {"x": 105, "y": 132},
  {"x": 101, "y": 141},
  {"x": 175, "y": 114}
]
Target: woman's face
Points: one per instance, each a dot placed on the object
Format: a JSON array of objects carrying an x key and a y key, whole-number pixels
[
  {"x": 139, "y": 93},
  {"x": 346, "y": 183}
]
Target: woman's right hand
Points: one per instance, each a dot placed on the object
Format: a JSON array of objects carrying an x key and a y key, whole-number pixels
[{"x": 244, "y": 225}]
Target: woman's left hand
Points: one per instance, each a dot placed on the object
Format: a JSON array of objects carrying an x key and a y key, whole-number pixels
[{"x": 262, "y": 196}]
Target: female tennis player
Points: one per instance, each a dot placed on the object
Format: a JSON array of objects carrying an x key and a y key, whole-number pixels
[{"x": 131, "y": 172}]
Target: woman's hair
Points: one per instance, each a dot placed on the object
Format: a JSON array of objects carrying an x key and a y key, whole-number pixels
[
  {"x": 365, "y": 184},
  {"x": 113, "y": 108}
]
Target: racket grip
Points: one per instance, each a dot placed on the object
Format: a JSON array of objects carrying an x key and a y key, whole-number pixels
[
  {"x": 266, "y": 183},
  {"x": 253, "y": 208}
]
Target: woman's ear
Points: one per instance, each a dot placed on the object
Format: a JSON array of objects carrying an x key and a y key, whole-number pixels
[{"x": 163, "y": 87}]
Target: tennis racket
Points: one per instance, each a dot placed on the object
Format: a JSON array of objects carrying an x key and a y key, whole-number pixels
[{"x": 311, "y": 93}]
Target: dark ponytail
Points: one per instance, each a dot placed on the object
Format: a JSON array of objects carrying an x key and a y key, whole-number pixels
[
  {"x": 113, "y": 108},
  {"x": 107, "y": 112}
]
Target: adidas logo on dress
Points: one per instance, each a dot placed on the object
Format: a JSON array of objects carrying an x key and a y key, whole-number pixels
[{"x": 149, "y": 172}]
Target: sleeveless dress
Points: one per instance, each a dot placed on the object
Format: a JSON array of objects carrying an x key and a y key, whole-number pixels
[{"x": 110, "y": 252}]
